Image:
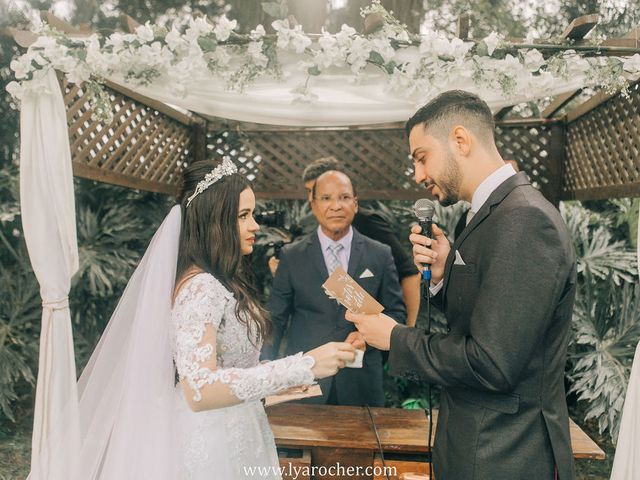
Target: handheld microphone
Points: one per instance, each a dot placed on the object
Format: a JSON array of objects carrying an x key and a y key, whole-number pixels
[{"x": 423, "y": 209}]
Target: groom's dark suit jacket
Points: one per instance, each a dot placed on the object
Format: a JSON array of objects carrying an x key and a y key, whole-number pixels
[
  {"x": 307, "y": 318},
  {"x": 503, "y": 413}
]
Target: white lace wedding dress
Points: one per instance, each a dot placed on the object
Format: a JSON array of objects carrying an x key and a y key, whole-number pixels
[{"x": 226, "y": 443}]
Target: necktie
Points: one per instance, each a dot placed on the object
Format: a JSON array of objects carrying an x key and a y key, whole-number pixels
[
  {"x": 333, "y": 261},
  {"x": 470, "y": 215}
]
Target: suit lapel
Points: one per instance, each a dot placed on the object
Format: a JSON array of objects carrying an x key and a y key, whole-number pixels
[
  {"x": 314, "y": 252},
  {"x": 357, "y": 247},
  {"x": 495, "y": 198}
]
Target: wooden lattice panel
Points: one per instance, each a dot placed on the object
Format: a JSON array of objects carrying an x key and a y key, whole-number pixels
[
  {"x": 603, "y": 150},
  {"x": 537, "y": 149},
  {"x": 377, "y": 159},
  {"x": 141, "y": 148}
]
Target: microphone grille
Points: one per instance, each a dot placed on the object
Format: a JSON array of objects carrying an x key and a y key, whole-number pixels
[{"x": 423, "y": 209}]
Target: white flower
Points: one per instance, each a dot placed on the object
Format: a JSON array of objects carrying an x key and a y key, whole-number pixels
[
  {"x": 280, "y": 25},
  {"x": 198, "y": 27},
  {"x": 359, "y": 54},
  {"x": 299, "y": 41},
  {"x": 543, "y": 82},
  {"x": 255, "y": 50},
  {"x": 15, "y": 89},
  {"x": 258, "y": 33},
  {"x": 383, "y": 46},
  {"x": 79, "y": 74},
  {"x": 220, "y": 57},
  {"x": 402, "y": 36},
  {"x": 345, "y": 34},
  {"x": 632, "y": 64},
  {"x": 460, "y": 48},
  {"x": 290, "y": 37},
  {"x": 224, "y": 28},
  {"x": 492, "y": 41},
  {"x": 533, "y": 60},
  {"x": 22, "y": 66},
  {"x": 144, "y": 33},
  {"x": 173, "y": 39}
]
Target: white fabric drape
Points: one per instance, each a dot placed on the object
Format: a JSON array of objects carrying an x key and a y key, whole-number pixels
[
  {"x": 49, "y": 224},
  {"x": 333, "y": 100},
  {"x": 626, "y": 463}
]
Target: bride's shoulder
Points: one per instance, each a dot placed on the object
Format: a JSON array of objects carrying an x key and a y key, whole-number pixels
[{"x": 200, "y": 286}]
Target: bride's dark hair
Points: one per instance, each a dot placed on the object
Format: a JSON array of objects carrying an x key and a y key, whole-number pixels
[{"x": 210, "y": 241}]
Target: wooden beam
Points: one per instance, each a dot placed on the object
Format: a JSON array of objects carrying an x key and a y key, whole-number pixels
[
  {"x": 558, "y": 102},
  {"x": 61, "y": 25},
  {"x": 150, "y": 102},
  {"x": 500, "y": 114},
  {"x": 603, "y": 193},
  {"x": 576, "y": 30},
  {"x": 129, "y": 23},
  {"x": 464, "y": 22},
  {"x": 580, "y": 26},
  {"x": 24, "y": 38},
  {"x": 95, "y": 173},
  {"x": 592, "y": 103}
]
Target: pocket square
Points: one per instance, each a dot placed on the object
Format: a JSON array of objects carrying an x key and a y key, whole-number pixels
[
  {"x": 459, "y": 260},
  {"x": 366, "y": 274}
]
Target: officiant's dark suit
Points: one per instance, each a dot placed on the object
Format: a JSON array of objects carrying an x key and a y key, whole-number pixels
[
  {"x": 306, "y": 318},
  {"x": 508, "y": 291}
]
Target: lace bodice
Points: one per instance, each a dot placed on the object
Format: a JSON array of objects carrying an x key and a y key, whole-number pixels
[{"x": 204, "y": 301}]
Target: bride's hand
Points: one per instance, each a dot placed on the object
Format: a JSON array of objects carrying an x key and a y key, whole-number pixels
[{"x": 331, "y": 357}]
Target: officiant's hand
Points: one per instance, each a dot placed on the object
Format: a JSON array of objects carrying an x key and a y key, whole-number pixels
[
  {"x": 376, "y": 329},
  {"x": 331, "y": 357},
  {"x": 357, "y": 340}
]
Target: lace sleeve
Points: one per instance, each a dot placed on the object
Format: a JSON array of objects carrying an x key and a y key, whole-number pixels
[{"x": 197, "y": 313}]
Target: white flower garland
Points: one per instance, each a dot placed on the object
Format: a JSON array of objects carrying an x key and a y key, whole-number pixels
[{"x": 416, "y": 66}]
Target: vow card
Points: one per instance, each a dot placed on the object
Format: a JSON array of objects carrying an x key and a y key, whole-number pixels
[{"x": 341, "y": 287}]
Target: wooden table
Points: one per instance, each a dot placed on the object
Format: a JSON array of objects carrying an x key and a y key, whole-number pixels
[{"x": 324, "y": 435}]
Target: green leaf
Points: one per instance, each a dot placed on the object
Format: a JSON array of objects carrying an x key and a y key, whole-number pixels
[
  {"x": 276, "y": 9},
  {"x": 375, "y": 57},
  {"x": 207, "y": 44},
  {"x": 314, "y": 70},
  {"x": 481, "y": 49},
  {"x": 390, "y": 67}
]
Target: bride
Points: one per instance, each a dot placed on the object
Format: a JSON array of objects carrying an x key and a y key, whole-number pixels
[{"x": 173, "y": 389}]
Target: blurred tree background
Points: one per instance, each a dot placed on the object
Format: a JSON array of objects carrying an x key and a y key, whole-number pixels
[{"x": 115, "y": 224}]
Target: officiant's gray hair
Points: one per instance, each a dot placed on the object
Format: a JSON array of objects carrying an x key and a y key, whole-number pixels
[{"x": 455, "y": 107}]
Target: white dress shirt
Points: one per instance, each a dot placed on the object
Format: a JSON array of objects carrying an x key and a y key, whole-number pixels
[
  {"x": 480, "y": 196},
  {"x": 343, "y": 255}
]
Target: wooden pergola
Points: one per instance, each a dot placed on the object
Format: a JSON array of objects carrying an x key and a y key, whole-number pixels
[{"x": 588, "y": 151}]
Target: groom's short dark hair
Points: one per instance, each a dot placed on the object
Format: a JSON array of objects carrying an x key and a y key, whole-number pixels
[{"x": 451, "y": 108}]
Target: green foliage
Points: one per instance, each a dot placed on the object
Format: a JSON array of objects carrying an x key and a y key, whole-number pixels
[
  {"x": 278, "y": 9},
  {"x": 599, "y": 256},
  {"x": 607, "y": 329},
  {"x": 606, "y": 317}
]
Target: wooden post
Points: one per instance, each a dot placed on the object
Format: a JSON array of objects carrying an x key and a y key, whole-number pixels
[
  {"x": 464, "y": 22},
  {"x": 557, "y": 156},
  {"x": 199, "y": 140}
]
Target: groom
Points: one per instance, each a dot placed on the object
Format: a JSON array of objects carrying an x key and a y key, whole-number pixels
[
  {"x": 305, "y": 317},
  {"x": 507, "y": 287}
]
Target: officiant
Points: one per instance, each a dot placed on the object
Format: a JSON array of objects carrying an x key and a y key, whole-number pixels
[{"x": 304, "y": 317}]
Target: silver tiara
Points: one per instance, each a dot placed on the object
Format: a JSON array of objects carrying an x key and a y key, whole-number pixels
[{"x": 226, "y": 168}]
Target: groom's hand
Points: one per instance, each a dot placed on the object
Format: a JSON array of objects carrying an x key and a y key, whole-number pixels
[{"x": 376, "y": 329}]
